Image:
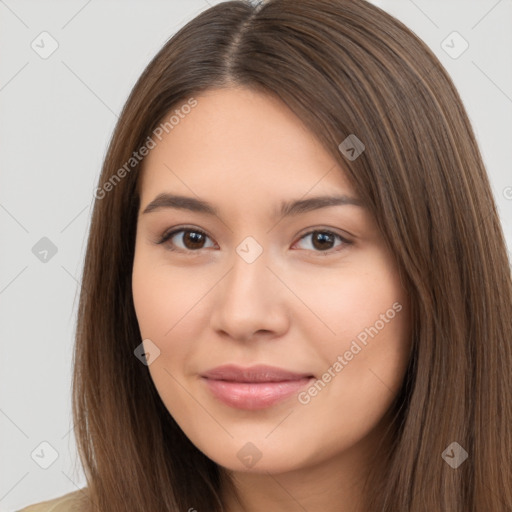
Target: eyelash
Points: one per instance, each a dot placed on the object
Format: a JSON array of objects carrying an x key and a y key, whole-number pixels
[{"x": 168, "y": 235}]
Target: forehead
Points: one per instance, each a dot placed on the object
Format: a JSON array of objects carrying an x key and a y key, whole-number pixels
[{"x": 239, "y": 140}]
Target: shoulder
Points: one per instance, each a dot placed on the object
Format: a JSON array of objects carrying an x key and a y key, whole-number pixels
[{"x": 71, "y": 502}]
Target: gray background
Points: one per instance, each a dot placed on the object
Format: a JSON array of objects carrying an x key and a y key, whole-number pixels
[{"x": 57, "y": 115}]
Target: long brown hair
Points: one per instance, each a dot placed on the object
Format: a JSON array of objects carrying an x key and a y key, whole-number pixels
[{"x": 345, "y": 67}]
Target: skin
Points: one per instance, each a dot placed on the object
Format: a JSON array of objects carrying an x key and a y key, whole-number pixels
[{"x": 297, "y": 306}]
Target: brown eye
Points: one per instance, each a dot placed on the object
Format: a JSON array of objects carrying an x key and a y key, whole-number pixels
[
  {"x": 323, "y": 240},
  {"x": 193, "y": 240},
  {"x": 190, "y": 240}
]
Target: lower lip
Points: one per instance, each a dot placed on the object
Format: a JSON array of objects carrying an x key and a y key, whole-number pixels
[{"x": 254, "y": 395}]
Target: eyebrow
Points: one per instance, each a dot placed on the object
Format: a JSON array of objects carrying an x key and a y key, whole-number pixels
[{"x": 287, "y": 208}]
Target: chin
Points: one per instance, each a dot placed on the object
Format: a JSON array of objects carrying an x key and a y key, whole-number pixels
[{"x": 257, "y": 456}]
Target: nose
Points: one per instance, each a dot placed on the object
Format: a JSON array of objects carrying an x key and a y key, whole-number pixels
[{"x": 250, "y": 302}]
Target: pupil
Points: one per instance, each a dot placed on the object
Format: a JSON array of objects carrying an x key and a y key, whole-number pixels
[
  {"x": 319, "y": 239},
  {"x": 194, "y": 238}
]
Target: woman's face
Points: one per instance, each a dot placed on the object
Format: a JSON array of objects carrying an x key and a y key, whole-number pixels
[{"x": 306, "y": 288}]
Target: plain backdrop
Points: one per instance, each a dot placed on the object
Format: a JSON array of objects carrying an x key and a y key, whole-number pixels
[{"x": 57, "y": 114}]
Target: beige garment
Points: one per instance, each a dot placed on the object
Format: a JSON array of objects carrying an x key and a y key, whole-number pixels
[{"x": 71, "y": 502}]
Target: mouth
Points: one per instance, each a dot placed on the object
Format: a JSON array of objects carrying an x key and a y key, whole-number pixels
[{"x": 257, "y": 387}]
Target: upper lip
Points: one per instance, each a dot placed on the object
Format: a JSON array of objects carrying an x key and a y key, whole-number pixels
[{"x": 257, "y": 373}]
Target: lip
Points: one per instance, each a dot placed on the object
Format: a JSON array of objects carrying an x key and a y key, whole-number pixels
[{"x": 256, "y": 387}]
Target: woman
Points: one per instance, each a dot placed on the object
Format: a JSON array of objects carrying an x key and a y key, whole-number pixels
[{"x": 296, "y": 293}]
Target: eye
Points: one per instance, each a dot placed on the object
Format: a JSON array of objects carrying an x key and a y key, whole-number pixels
[
  {"x": 324, "y": 241},
  {"x": 192, "y": 239}
]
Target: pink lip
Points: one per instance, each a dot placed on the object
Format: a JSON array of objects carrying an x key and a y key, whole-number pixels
[{"x": 253, "y": 388}]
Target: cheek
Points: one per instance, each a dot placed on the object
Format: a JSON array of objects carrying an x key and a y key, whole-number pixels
[
  {"x": 153, "y": 300},
  {"x": 171, "y": 308},
  {"x": 163, "y": 305},
  {"x": 345, "y": 304},
  {"x": 366, "y": 341},
  {"x": 364, "y": 367},
  {"x": 163, "y": 296}
]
